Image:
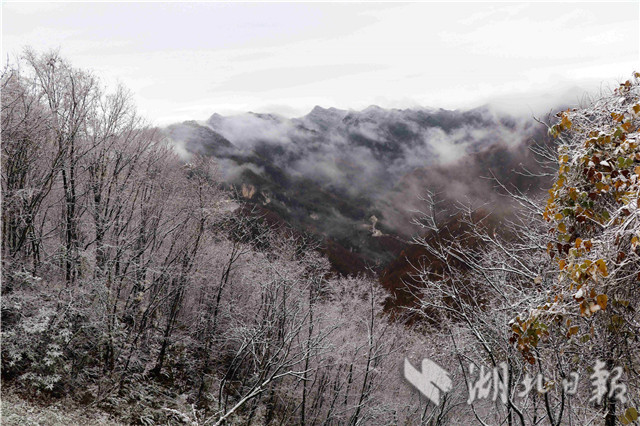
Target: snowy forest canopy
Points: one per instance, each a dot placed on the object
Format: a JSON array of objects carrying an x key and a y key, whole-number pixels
[{"x": 137, "y": 286}]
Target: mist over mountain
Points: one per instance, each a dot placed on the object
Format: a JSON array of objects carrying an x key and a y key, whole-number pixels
[{"x": 355, "y": 177}]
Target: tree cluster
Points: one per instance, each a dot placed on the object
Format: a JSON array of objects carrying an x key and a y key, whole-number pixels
[
  {"x": 132, "y": 282},
  {"x": 551, "y": 292},
  {"x": 135, "y": 284}
]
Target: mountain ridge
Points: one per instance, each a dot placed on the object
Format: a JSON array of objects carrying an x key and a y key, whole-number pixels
[{"x": 329, "y": 171}]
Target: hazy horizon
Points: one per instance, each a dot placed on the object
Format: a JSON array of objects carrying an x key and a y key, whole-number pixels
[{"x": 190, "y": 60}]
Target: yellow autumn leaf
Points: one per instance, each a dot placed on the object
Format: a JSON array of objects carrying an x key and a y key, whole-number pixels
[
  {"x": 583, "y": 307},
  {"x": 631, "y": 414},
  {"x": 602, "y": 267},
  {"x": 601, "y": 300}
]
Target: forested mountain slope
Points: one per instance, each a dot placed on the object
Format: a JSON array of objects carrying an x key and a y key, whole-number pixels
[
  {"x": 354, "y": 178},
  {"x": 137, "y": 284}
]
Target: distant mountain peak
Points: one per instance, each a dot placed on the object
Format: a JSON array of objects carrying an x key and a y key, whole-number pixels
[
  {"x": 373, "y": 108},
  {"x": 318, "y": 110},
  {"x": 191, "y": 123},
  {"x": 266, "y": 116},
  {"x": 215, "y": 120},
  {"x": 320, "y": 117},
  {"x": 200, "y": 138}
]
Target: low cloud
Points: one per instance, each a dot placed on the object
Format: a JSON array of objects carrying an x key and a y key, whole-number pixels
[{"x": 389, "y": 157}]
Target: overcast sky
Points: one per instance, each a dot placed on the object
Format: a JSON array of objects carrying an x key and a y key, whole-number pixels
[{"x": 189, "y": 60}]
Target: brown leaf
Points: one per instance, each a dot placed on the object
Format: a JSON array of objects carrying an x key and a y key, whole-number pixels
[
  {"x": 601, "y": 300},
  {"x": 602, "y": 267}
]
